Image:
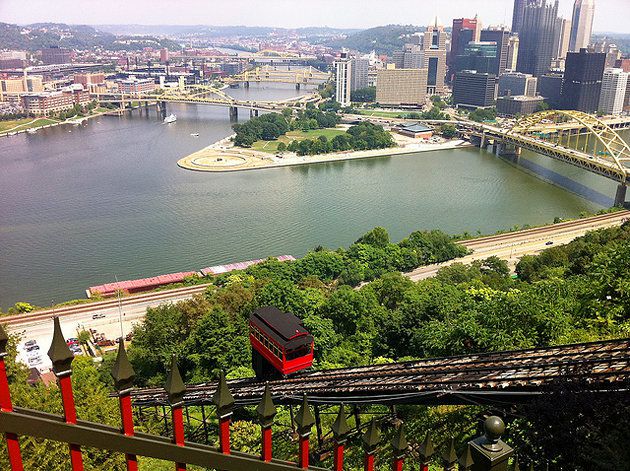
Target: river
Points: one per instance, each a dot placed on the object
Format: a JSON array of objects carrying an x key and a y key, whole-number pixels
[{"x": 83, "y": 205}]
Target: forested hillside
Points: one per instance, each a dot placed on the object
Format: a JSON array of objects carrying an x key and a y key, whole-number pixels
[
  {"x": 382, "y": 39},
  {"x": 41, "y": 35}
]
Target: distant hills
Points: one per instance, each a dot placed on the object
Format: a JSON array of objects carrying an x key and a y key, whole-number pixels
[
  {"x": 382, "y": 39},
  {"x": 621, "y": 40},
  {"x": 41, "y": 35},
  {"x": 217, "y": 31}
]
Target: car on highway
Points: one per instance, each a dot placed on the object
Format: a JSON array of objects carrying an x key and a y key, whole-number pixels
[
  {"x": 98, "y": 316},
  {"x": 72, "y": 341},
  {"x": 36, "y": 360},
  {"x": 30, "y": 343},
  {"x": 32, "y": 348},
  {"x": 549, "y": 242}
]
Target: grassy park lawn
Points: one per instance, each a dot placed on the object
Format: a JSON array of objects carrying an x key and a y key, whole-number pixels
[
  {"x": 380, "y": 114},
  {"x": 272, "y": 146},
  {"x": 21, "y": 124}
]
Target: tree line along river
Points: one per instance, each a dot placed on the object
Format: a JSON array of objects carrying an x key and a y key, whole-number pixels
[{"x": 82, "y": 205}]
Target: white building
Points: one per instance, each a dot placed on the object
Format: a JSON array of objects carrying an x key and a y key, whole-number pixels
[
  {"x": 582, "y": 24},
  {"x": 343, "y": 79},
  {"x": 613, "y": 93},
  {"x": 512, "y": 58}
]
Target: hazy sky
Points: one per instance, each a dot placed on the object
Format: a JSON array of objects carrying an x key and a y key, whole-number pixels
[{"x": 610, "y": 15}]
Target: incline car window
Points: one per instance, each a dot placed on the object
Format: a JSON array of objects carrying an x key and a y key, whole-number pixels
[
  {"x": 262, "y": 338},
  {"x": 298, "y": 352}
]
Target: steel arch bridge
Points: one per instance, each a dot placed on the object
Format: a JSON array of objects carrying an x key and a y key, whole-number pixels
[{"x": 569, "y": 131}]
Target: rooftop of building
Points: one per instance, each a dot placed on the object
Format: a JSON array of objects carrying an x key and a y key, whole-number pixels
[
  {"x": 415, "y": 127},
  {"x": 521, "y": 98}
]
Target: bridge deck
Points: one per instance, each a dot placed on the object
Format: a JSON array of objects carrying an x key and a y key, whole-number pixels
[{"x": 502, "y": 377}]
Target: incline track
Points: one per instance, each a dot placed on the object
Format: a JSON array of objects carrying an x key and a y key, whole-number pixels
[{"x": 502, "y": 377}]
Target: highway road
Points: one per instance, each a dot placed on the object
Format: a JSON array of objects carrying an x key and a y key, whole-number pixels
[
  {"x": 105, "y": 316},
  {"x": 512, "y": 246}
]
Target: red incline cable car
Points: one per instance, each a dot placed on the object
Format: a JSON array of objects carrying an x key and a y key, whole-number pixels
[{"x": 280, "y": 343}]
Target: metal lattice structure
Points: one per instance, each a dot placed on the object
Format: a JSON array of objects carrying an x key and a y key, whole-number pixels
[
  {"x": 202, "y": 94},
  {"x": 307, "y": 75},
  {"x": 582, "y": 132}
]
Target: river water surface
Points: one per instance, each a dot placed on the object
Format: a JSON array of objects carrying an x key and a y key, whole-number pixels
[{"x": 82, "y": 205}]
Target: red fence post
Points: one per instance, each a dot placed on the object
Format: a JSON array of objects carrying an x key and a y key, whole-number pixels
[
  {"x": 13, "y": 445},
  {"x": 175, "y": 388},
  {"x": 340, "y": 431},
  {"x": 123, "y": 375},
  {"x": 225, "y": 403},
  {"x": 266, "y": 412},
  {"x": 426, "y": 452},
  {"x": 400, "y": 445},
  {"x": 304, "y": 420},
  {"x": 371, "y": 438},
  {"x": 61, "y": 358}
]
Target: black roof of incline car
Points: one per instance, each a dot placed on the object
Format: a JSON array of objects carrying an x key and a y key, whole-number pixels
[{"x": 283, "y": 327}]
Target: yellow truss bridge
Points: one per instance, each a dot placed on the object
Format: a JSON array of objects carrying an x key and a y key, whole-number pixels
[
  {"x": 302, "y": 76},
  {"x": 204, "y": 94},
  {"x": 573, "y": 137}
]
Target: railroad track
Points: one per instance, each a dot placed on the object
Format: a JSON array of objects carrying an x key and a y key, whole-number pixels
[
  {"x": 94, "y": 306},
  {"x": 568, "y": 226},
  {"x": 503, "y": 376}
]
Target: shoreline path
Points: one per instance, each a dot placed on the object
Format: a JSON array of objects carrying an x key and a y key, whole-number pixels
[{"x": 223, "y": 156}]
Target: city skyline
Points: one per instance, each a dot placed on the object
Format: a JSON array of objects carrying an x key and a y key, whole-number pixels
[{"x": 609, "y": 15}]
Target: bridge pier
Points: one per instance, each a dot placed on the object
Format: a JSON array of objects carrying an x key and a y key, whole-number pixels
[
  {"x": 233, "y": 113},
  {"x": 253, "y": 113},
  {"x": 246, "y": 84},
  {"x": 620, "y": 196},
  {"x": 297, "y": 86},
  {"x": 482, "y": 142}
]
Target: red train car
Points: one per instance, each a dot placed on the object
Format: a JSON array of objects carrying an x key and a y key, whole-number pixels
[{"x": 280, "y": 343}]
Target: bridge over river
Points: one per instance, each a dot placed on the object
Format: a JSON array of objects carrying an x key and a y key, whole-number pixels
[
  {"x": 207, "y": 95},
  {"x": 573, "y": 137}
]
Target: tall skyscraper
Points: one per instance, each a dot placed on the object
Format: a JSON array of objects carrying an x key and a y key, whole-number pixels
[
  {"x": 500, "y": 36},
  {"x": 343, "y": 79},
  {"x": 434, "y": 47},
  {"x": 582, "y": 82},
  {"x": 518, "y": 15},
  {"x": 613, "y": 94},
  {"x": 459, "y": 24},
  {"x": 512, "y": 59},
  {"x": 536, "y": 37},
  {"x": 561, "y": 38},
  {"x": 582, "y": 24}
]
